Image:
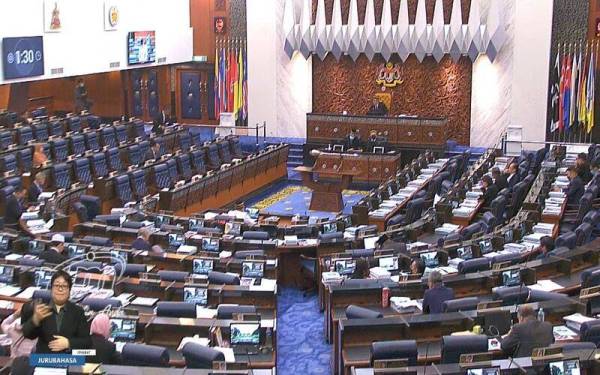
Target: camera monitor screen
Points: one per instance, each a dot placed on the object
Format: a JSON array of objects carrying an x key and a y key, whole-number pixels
[
  {"x": 141, "y": 47},
  {"x": 484, "y": 371},
  {"x": 36, "y": 247},
  {"x": 508, "y": 236},
  {"x": 202, "y": 266},
  {"x": 122, "y": 329},
  {"x": 253, "y": 213},
  {"x": 75, "y": 250},
  {"x": 159, "y": 220},
  {"x": 465, "y": 252},
  {"x": 3, "y": 243},
  {"x": 195, "y": 224},
  {"x": 42, "y": 278},
  {"x": 6, "y": 274},
  {"x": 485, "y": 247},
  {"x": 345, "y": 266},
  {"x": 329, "y": 227},
  {"x": 176, "y": 240},
  {"x": 566, "y": 367},
  {"x": 245, "y": 333},
  {"x": 233, "y": 229},
  {"x": 253, "y": 269},
  {"x": 210, "y": 244},
  {"x": 511, "y": 278},
  {"x": 196, "y": 295},
  {"x": 430, "y": 259}
]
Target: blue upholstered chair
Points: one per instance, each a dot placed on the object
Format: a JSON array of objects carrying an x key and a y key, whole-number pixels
[
  {"x": 176, "y": 309},
  {"x": 200, "y": 356},
  {"x": 145, "y": 355},
  {"x": 397, "y": 349},
  {"x": 454, "y": 346}
]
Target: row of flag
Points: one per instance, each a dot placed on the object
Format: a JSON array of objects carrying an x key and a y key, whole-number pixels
[
  {"x": 573, "y": 88},
  {"x": 231, "y": 80}
]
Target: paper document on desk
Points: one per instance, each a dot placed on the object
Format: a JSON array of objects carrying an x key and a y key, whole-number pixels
[
  {"x": 144, "y": 301},
  {"x": 574, "y": 321},
  {"x": 28, "y": 293},
  {"x": 546, "y": 286},
  {"x": 227, "y": 352},
  {"x": 13, "y": 256},
  {"x": 196, "y": 340},
  {"x": 9, "y": 290},
  {"x": 563, "y": 333},
  {"x": 49, "y": 371},
  {"x": 265, "y": 284},
  {"x": 204, "y": 313}
]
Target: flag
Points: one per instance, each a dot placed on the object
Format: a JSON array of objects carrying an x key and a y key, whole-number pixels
[
  {"x": 555, "y": 94},
  {"x": 591, "y": 91},
  {"x": 241, "y": 68},
  {"x": 574, "y": 91},
  {"x": 561, "y": 94},
  {"x": 236, "y": 87},
  {"x": 217, "y": 93},
  {"x": 245, "y": 89},
  {"x": 567, "y": 95},
  {"x": 581, "y": 112},
  {"x": 223, "y": 80},
  {"x": 232, "y": 73}
]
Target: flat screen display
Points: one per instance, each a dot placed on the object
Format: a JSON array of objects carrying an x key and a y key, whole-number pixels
[
  {"x": 202, "y": 266},
  {"x": 196, "y": 295},
  {"x": 245, "y": 333},
  {"x": 122, "y": 329},
  {"x": 253, "y": 269},
  {"x": 23, "y": 57},
  {"x": 141, "y": 47}
]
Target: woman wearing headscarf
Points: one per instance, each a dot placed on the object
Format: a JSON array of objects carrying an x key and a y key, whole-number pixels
[
  {"x": 11, "y": 326},
  {"x": 106, "y": 351}
]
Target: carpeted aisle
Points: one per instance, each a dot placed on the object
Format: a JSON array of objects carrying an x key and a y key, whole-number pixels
[{"x": 301, "y": 347}]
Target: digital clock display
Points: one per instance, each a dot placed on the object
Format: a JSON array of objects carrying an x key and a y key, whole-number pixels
[{"x": 23, "y": 57}]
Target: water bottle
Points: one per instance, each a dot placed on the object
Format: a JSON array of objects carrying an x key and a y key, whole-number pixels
[
  {"x": 541, "y": 315},
  {"x": 269, "y": 338}
]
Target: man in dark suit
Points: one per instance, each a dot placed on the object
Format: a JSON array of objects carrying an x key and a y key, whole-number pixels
[
  {"x": 36, "y": 188},
  {"x": 374, "y": 141},
  {"x": 14, "y": 208},
  {"x": 142, "y": 242},
  {"x": 513, "y": 175},
  {"x": 378, "y": 108},
  {"x": 436, "y": 295},
  {"x": 499, "y": 179},
  {"x": 154, "y": 151},
  {"x": 527, "y": 335},
  {"x": 60, "y": 326},
  {"x": 160, "y": 121},
  {"x": 55, "y": 254},
  {"x": 490, "y": 191},
  {"x": 583, "y": 168},
  {"x": 575, "y": 190},
  {"x": 353, "y": 140}
]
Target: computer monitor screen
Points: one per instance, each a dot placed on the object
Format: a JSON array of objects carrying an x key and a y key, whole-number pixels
[
  {"x": 117, "y": 254},
  {"x": 75, "y": 250},
  {"x": 508, "y": 236},
  {"x": 339, "y": 148},
  {"x": 484, "y": 371},
  {"x": 253, "y": 269},
  {"x": 210, "y": 244},
  {"x": 245, "y": 333},
  {"x": 176, "y": 240},
  {"x": 195, "y": 224},
  {"x": 329, "y": 227},
  {"x": 42, "y": 278},
  {"x": 347, "y": 220},
  {"x": 485, "y": 247},
  {"x": 465, "y": 252},
  {"x": 565, "y": 367},
  {"x": 202, "y": 266},
  {"x": 233, "y": 229},
  {"x": 36, "y": 247},
  {"x": 3, "y": 243},
  {"x": 195, "y": 294},
  {"x": 253, "y": 213},
  {"x": 7, "y": 274},
  {"x": 378, "y": 150},
  {"x": 511, "y": 278},
  {"x": 345, "y": 266},
  {"x": 430, "y": 259},
  {"x": 371, "y": 242},
  {"x": 389, "y": 263},
  {"x": 122, "y": 329},
  {"x": 159, "y": 220}
]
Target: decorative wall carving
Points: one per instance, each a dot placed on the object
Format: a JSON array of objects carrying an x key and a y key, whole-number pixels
[
  {"x": 237, "y": 19},
  {"x": 429, "y": 89}
]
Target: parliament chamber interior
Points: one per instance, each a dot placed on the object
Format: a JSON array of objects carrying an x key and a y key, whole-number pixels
[{"x": 347, "y": 187}]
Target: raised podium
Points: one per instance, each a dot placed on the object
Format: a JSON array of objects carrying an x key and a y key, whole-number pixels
[{"x": 327, "y": 196}]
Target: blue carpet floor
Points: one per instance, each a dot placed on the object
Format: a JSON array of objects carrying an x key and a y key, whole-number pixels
[{"x": 301, "y": 347}]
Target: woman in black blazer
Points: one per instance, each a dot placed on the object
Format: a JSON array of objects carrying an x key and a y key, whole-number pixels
[{"x": 106, "y": 351}]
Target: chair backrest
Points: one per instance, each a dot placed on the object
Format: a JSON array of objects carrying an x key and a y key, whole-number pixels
[
  {"x": 6, "y": 139},
  {"x": 224, "y": 154},
  {"x": 97, "y": 240},
  {"x": 212, "y": 156},
  {"x": 255, "y": 235},
  {"x": 56, "y": 128},
  {"x": 40, "y": 131},
  {"x": 134, "y": 154},
  {"x": 197, "y": 157},
  {"x": 81, "y": 167},
  {"x": 123, "y": 189},
  {"x": 107, "y": 134},
  {"x": 176, "y": 309},
  {"x": 414, "y": 210},
  {"x": 474, "y": 265},
  {"x": 91, "y": 140},
  {"x": 221, "y": 278},
  {"x": 235, "y": 148},
  {"x": 121, "y": 133},
  {"x": 145, "y": 355},
  {"x": 99, "y": 165},
  {"x": 185, "y": 169},
  {"x": 172, "y": 167},
  {"x": 227, "y": 311},
  {"x": 590, "y": 332},
  {"x": 15, "y": 182},
  {"x": 113, "y": 159},
  {"x": 81, "y": 212},
  {"x": 568, "y": 239},
  {"x": 460, "y": 304},
  {"x": 61, "y": 175},
  {"x": 138, "y": 181},
  {"x": 583, "y": 233},
  {"x": 467, "y": 232},
  {"x": 497, "y": 207},
  {"x": 488, "y": 221},
  {"x": 511, "y": 295},
  {"x": 92, "y": 204},
  {"x": 162, "y": 179},
  {"x": 59, "y": 150},
  {"x": 357, "y": 312},
  {"x": 98, "y": 304},
  {"x": 74, "y": 124},
  {"x": 397, "y": 349},
  {"x": 200, "y": 356},
  {"x": 454, "y": 346},
  {"x": 24, "y": 134},
  {"x": 8, "y": 163},
  {"x": 78, "y": 144},
  {"x": 185, "y": 141},
  {"x": 93, "y": 121},
  {"x": 168, "y": 275},
  {"x": 25, "y": 159}
]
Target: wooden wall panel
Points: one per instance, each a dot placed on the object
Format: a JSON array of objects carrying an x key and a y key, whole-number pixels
[
  {"x": 202, "y": 13},
  {"x": 429, "y": 89},
  {"x": 4, "y": 95}
]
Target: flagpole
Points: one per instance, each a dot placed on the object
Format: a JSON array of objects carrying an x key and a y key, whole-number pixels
[{"x": 579, "y": 90}]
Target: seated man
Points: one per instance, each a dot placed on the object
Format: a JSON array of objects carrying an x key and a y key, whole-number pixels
[
  {"x": 375, "y": 141},
  {"x": 15, "y": 206},
  {"x": 575, "y": 190},
  {"x": 352, "y": 140},
  {"x": 513, "y": 175},
  {"x": 36, "y": 188},
  {"x": 499, "y": 179},
  {"x": 142, "y": 242},
  {"x": 546, "y": 246},
  {"x": 417, "y": 267},
  {"x": 527, "y": 335},
  {"x": 583, "y": 168},
  {"x": 378, "y": 108},
  {"x": 490, "y": 191},
  {"x": 436, "y": 295},
  {"x": 154, "y": 151}
]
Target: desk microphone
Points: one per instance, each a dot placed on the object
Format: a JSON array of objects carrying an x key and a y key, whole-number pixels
[
  {"x": 426, "y": 355},
  {"x": 512, "y": 360}
]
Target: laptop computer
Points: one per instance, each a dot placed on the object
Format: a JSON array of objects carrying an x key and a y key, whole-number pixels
[
  {"x": 122, "y": 331},
  {"x": 244, "y": 337},
  {"x": 484, "y": 371},
  {"x": 345, "y": 267},
  {"x": 565, "y": 367},
  {"x": 195, "y": 224},
  {"x": 389, "y": 263},
  {"x": 210, "y": 244},
  {"x": 202, "y": 266},
  {"x": 176, "y": 240},
  {"x": 252, "y": 272},
  {"x": 196, "y": 295},
  {"x": 42, "y": 278}
]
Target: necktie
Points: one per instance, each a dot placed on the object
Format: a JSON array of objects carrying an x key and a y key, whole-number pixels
[{"x": 59, "y": 318}]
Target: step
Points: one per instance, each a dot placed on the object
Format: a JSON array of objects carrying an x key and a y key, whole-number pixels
[{"x": 292, "y": 163}]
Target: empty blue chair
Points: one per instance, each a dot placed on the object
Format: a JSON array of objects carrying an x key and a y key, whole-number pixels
[
  {"x": 590, "y": 332},
  {"x": 197, "y": 160},
  {"x": 357, "y": 312},
  {"x": 474, "y": 265},
  {"x": 583, "y": 233},
  {"x": 413, "y": 212},
  {"x": 235, "y": 148},
  {"x": 25, "y": 159},
  {"x": 16, "y": 182},
  {"x": 98, "y": 304},
  {"x": 74, "y": 124},
  {"x": 134, "y": 155},
  {"x": 144, "y": 148},
  {"x": 397, "y": 349},
  {"x": 56, "y": 128},
  {"x": 567, "y": 239},
  {"x": 78, "y": 144},
  {"x": 91, "y": 140},
  {"x": 224, "y": 153},
  {"x": 40, "y": 131},
  {"x": 454, "y": 346},
  {"x": 138, "y": 181},
  {"x": 221, "y": 278},
  {"x": 121, "y": 133},
  {"x": 590, "y": 277},
  {"x": 123, "y": 189},
  {"x": 162, "y": 179},
  {"x": 114, "y": 159},
  {"x": 185, "y": 141},
  {"x": 185, "y": 169},
  {"x": 61, "y": 176},
  {"x": 227, "y": 311},
  {"x": 131, "y": 269},
  {"x": 200, "y": 356},
  {"x": 469, "y": 231},
  {"x": 6, "y": 139},
  {"x": 8, "y": 163},
  {"x": 138, "y": 128},
  {"x": 212, "y": 157},
  {"x": 460, "y": 304},
  {"x": 255, "y": 235},
  {"x": 243, "y": 254},
  {"x": 145, "y": 355},
  {"x": 60, "y": 151},
  {"x": 330, "y": 237},
  {"x": 24, "y": 134},
  {"x": 97, "y": 241},
  {"x": 168, "y": 275},
  {"x": 93, "y": 121},
  {"x": 176, "y": 309},
  {"x": 172, "y": 167},
  {"x": 99, "y": 165},
  {"x": 82, "y": 171},
  {"x": 107, "y": 136},
  {"x": 513, "y": 295},
  {"x": 81, "y": 212}
]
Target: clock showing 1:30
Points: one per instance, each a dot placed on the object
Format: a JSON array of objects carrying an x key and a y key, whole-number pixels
[{"x": 23, "y": 57}]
